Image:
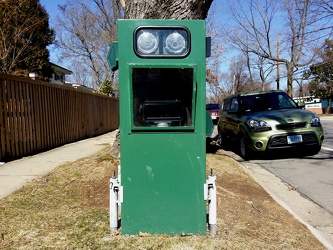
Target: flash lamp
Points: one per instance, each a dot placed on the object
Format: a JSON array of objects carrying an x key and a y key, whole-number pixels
[
  {"x": 147, "y": 43},
  {"x": 162, "y": 42}
]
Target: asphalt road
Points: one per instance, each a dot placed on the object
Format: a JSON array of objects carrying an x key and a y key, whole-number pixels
[{"x": 311, "y": 176}]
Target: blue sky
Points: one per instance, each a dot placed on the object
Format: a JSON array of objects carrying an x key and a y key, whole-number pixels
[{"x": 51, "y": 7}]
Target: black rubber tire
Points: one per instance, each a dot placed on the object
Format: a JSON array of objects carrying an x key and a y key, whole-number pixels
[
  {"x": 244, "y": 150},
  {"x": 219, "y": 139}
]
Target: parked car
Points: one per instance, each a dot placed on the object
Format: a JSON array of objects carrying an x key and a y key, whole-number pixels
[
  {"x": 214, "y": 110},
  {"x": 267, "y": 121}
]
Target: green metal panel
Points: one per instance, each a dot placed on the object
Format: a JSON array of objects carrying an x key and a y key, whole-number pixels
[
  {"x": 113, "y": 56},
  {"x": 163, "y": 169},
  {"x": 209, "y": 124},
  {"x": 163, "y": 184}
]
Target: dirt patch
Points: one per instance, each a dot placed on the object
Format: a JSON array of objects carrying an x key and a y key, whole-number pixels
[{"x": 69, "y": 208}]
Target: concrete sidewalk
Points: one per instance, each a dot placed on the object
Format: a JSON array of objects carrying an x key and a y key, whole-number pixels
[{"x": 15, "y": 174}]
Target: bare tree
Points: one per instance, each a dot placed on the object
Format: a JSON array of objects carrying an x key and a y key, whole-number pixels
[
  {"x": 256, "y": 69},
  {"x": 242, "y": 76},
  {"x": 259, "y": 71},
  {"x": 260, "y": 22},
  {"x": 265, "y": 71},
  {"x": 326, "y": 9},
  {"x": 219, "y": 84},
  {"x": 84, "y": 31}
]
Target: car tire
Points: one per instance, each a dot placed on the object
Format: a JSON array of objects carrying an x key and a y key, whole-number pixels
[
  {"x": 219, "y": 137},
  {"x": 244, "y": 150},
  {"x": 222, "y": 140}
]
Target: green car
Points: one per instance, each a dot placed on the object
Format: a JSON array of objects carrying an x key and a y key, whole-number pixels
[{"x": 268, "y": 121}]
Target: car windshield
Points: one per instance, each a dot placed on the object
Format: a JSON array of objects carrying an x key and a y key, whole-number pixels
[
  {"x": 212, "y": 106},
  {"x": 264, "y": 102}
]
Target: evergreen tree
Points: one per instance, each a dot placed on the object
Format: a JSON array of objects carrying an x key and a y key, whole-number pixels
[
  {"x": 321, "y": 86},
  {"x": 24, "y": 36},
  {"x": 107, "y": 88}
]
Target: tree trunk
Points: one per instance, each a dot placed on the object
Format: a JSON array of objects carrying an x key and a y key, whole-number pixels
[
  {"x": 328, "y": 110},
  {"x": 289, "y": 79},
  {"x": 115, "y": 149},
  {"x": 167, "y": 9}
]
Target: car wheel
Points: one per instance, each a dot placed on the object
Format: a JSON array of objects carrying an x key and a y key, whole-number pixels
[
  {"x": 219, "y": 137},
  {"x": 222, "y": 139},
  {"x": 244, "y": 149}
]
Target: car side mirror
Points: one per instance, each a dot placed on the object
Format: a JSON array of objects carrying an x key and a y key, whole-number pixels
[{"x": 301, "y": 105}]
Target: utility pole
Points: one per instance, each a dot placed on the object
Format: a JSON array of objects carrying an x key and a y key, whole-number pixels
[
  {"x": 277, "y": 63},
  {"x": 234, "y": 84}
]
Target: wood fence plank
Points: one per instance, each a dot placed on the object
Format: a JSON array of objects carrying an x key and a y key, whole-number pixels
[
  {"x": 60, "y": 117},
  {"x": 7, "y": 118},
  {"x": 45, "y": 118},
  {"x": 67, "y": 99},
  {"x": 29, "y": 103},
  {"x": 23, "y": 114},
  {"x": 51, "y": 114},
  {"x": 3, "y": 117},
  {"x": 12, "y": 123},
  {"x": 18, "y": 117},
  {"x": 31, "y": 140},
  {"x": 38, "y": 106}
]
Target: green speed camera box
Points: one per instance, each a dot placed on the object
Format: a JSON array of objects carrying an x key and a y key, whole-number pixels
[{"x": 162, "y": 79}]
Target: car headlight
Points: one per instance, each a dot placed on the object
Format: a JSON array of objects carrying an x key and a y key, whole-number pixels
[
  {"x": 258, "y": 125},
  {"x": 315, "y": 121}
]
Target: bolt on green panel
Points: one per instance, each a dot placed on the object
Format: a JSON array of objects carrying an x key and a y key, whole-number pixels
[{"x": 162, "y": 76}]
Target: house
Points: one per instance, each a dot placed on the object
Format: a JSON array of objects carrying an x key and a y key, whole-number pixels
[
  {"x": 59, "y": 77},
  {"x": 311, "y": 103},
  {"x": 59, "y": 74}
]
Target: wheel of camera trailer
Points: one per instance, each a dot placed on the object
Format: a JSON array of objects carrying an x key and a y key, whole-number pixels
[{"x": 244, "y": 150}]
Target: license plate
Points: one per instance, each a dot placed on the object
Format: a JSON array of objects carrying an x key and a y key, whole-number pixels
[{"x": 294, "y": 139}]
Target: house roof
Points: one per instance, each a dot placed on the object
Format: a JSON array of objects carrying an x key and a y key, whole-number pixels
[{"x": 61, "y": 70}]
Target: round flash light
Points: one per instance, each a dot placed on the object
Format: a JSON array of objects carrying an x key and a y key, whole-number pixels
[
  {"x": 147, "y": 42},
  {"x": 175, "y": 43}
]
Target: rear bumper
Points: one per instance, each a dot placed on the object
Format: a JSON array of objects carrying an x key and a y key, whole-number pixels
[{"x": 215, "y": 117}]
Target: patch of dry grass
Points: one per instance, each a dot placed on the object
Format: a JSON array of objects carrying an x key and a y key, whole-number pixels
[{"x": 69, "y": 208}]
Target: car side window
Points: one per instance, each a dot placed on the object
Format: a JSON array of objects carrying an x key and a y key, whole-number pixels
[
  {"x": 234, "y": 104},
  {"x": 286, "y": 101},
  {"x": 248, "y": 104},
  {"x": 226, "y": 104}
]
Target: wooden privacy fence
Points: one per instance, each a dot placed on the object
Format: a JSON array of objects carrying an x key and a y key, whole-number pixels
[{"x": 37, "y": 116}]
